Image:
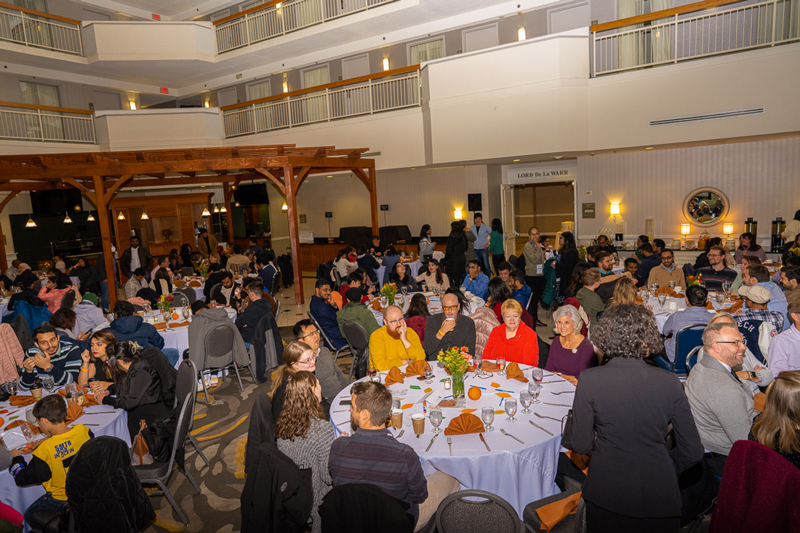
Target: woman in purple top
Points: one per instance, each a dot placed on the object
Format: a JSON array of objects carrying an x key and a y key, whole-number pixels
[{"x": 571, "y": 353}]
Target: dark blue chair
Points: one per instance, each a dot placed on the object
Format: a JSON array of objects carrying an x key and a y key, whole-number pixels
[
  {"x": 687, "y": 339},
  {"x": 691, "y": 359}
]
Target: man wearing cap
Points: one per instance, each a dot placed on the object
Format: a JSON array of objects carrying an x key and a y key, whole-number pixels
[
  {"x": 356, "y": 311},
  {"x": 759, "y": 275},
  {"x": 756, "y": 299}
]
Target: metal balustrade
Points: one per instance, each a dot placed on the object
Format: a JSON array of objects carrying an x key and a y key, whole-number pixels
[
  {"x": 363, "y": 98},
  {"x": 49, "y": 126},
  {"x": 31, "y": 30},
  {"x": 674, "y": 39},
  {"x": 282, "y": 18}
]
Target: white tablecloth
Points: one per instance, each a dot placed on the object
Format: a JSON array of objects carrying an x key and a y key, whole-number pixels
[
  {"x": 663, "y": 313},
  {"x": 4, "y": 307},
  {"x": 113, "y": 422},
  {"x": 520, "y": 473},
  {"x": 434, "y": 305},
  {"x": 178, "y": 338},
  {"x": 413, "y": 267}
]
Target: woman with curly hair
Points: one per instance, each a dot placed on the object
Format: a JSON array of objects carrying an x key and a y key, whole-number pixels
[
  {"x": 624, "y": 292},
  {"x": 621, "y": 414},
  {"x": 778, "y": 427},
  {"x": 305, "y": 436}
]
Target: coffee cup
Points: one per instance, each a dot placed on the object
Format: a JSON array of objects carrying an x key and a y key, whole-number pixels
[
  {"x": 678, "y": 289},
  {"x": 36, "y": 393},
  {"x": 673, "y": 306},
  {"x": 418, "y": 422},
  {"x": 397, "y": 418}
]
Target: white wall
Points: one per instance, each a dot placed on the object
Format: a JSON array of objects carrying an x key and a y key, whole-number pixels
[
  {"x": 133, "y": 41},
  {"x": 151, "y": 129}
]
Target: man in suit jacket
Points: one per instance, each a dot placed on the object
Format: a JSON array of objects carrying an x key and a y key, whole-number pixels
[{"x": 721, "y": 403}]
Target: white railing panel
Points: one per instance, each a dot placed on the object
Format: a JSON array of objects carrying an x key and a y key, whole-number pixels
[
  {"x": 232, "y": 35},
  {"x": 46, "y": 126},
  {"x": 22, "y": 28},
  {"x": 350, "y": 102},
  {"x": 712, "y": 33},
  {"x": 301, "y": 14}
]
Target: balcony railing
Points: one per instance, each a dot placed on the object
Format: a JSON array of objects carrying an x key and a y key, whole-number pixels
[
  {"x": 276, "y": 18},
  {"x": 632, "y": 44},
  {"x": 42, "y": 30},
  {"x": 365, "y": 95},
  {"x": 44, "y": 123}
]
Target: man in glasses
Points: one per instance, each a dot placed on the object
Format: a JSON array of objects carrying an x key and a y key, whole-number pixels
[
  {"x": 395, "y": 344},
  {"x": 449, "y": 329},
  {"x": 717, "y": 271},
  {"x": 722, "y": 404},
  {"x": 330, "y": 377}
]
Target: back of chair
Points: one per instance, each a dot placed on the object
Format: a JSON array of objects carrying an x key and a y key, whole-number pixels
[
  {"x": 180, "y": 300},
  {"x": 23, "y": 333},
  {"x": 181, "y": 428},
  {"x": 215, "y": 290},
  {"x": 691, "y": 359},
  {"x": 337, "y": 278},
  {"x": 186, "y": 383},
  {"x": 687, "y": 339},
  {"x": 484, "y": 511},
  {"x": 218, "y": 345},
  {"x": 189, "y": 293},
  {"x": 68, "y": 300},
  {"x": 356, "y": 507},
  {"x": 358, "y": 340}
]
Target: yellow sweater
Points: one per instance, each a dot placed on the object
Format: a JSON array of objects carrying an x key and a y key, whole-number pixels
[{"x": 386, "y": 352}]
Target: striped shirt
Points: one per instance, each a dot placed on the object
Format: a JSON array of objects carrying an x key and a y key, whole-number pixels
[
  {"x": 713, "y": 278},
  {"x": 66, "y": 366},
  {"x": 373, "y": 456}
]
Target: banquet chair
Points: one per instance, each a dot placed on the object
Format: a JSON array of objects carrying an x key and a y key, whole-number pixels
[
  {"x": 68, "y": 300},
  {"x": 188, "y": 292},
  {"x": 325, "y": 337},
  {"x": 575, "y": 522},
  {"x": 337, "y": 278},
  {"x": 186, "y": 387},
  {"x": 158, "y": 473},
  {"x": 361, "y": 507},
  {"x": 476, "y": 510},
  {"x": 686, "y": 339},
  {"x": 214, "y": 292},
  {"x": 180, "y": 300},
  {"x": 691, "y": 358},
  {"x": 217, "y": 354},
  {"x": 187, "y": 271},
  {"x": 358, "y": 341},
  {"x": 438, "y": 255}
]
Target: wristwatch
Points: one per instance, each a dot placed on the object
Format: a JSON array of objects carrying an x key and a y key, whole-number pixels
[{"x": 753, "y": 376}]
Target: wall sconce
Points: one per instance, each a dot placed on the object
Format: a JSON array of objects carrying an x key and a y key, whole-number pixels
[
  {"x": 206, "y": 212},
  {"x": 132, "y": 105},
  {"x": 614, "y": 209},
  {"x": 458, "y": 213},
  {"x": 285, "y": 87},
  {"x": 121, "y": 216},
  {"x": 30, "y": 224},
  {"x": 385, "y": 64},
  {"x": 284, "y": 207},
  {"x": 67, "y": 220},
  {"x": 521, "y": 34},
  {"x": 144, "y": 215},
  {"x": 207, "y": 103},
  {"x": 90, "y": 218}
]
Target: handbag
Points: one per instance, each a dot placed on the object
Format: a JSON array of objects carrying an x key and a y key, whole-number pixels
[{"x": 140, "y": 451}]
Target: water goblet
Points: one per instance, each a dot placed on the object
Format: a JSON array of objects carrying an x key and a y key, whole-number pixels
[
  {"x": 79, "y": 397},
  {"x": 501, "y": 365},
  {"x": 662, "y": 299},
  {"x": 48, "y": 382},
  {"x": 526, "y": 400},
  {"x": 436, "y": 420},
  {"x": 12, "y": 387},
  {"x": 511, "y": 409},
  {"x": 427, "y": 373},
  {"x": 671, "y": 284},
  {"x": 537, "y": 374},
  {"x": 720, "y": 298},
  {"x": 404, "y": 290},
  {"x": 478, "y": 360},
  {"x": 27, "y": 432},
  {"x": 487, "y": 415},
  {"x": 185, "y": 313},
  {"x": 645, "y": 297},
  {"x": 534, "y": 389},
  {"x": 70, "y": 388}
]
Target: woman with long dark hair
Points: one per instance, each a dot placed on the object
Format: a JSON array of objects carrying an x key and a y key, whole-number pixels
[
  {"x": 496, "y": 245},
  {"x": 400, "y": 277},
  {"x": 499, "y": 293},
  {"x": 417, "y": 315},
  {"x": 139, "y": 390},
  {"x": 54, "y": 290},
  {"x": 433, "y": 276},
  {"x": 426, "y": 245},
  {"x": 568, "y": 257},
  {"x": 749, "y": 246},
  {"x": 95, "y": 365},
  {"x": 186, "y": 255},
  {"x": 162, "y": 283},
  {"x": 174, "y": 261},
  {"x": 778, "y": 426},
  {"x": 305, "y": 436},
  {"x": 454, "y": 257}
]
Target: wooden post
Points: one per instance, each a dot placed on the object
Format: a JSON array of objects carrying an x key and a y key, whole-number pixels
[
  {"x": 105, "y": 234},
  {"x": 373, "y": 199},
  {"x": 226, "y": 196},
  {"x": 3, "y": 204},
  {"x": 294, "y": 235}
]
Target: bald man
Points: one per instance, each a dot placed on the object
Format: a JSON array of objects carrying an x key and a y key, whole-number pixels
[
  {"x": 394, "y": 344},
  {"x": 448, "y": 329}
]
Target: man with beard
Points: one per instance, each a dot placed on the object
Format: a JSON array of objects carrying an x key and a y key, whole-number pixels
[
  {"x": 394, "y": 344},
  {"x": 449, "y": 329},
  {"x": 373, "y": 456},
  {"x": 50, "y": 357}
]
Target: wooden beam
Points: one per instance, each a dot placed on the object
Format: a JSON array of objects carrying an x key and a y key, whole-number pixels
[
  {"x": 226, "y": 197},
  {"x": 39, "y": 13},
  {"x": 86, "y": 192},
  {"x": 294, "y": 235},
  {"x": 3, "y": 260},
  {"x": 105, "y": 235},
  {"x": 280, "y": 183},
  {"x": 113, "y": 189},
  {"x": 45, "y": 107},
  {"x": 370, "y": 183},
  {"x": 301, "y": 176},
  {"x": 26, "y": 186}
]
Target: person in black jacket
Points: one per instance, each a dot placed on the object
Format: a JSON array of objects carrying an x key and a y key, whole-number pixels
[
  {"x": 253, "y": 313},
  {"x": 27, "y": 280},
  {"x": 87, "y": 274},
  {"x": 454, "y": 256},
  {"x": 568, "y": 257},
  {"x": 139, "y": 387}
]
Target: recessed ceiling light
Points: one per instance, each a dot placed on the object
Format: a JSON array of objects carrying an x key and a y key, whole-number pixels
[
  {"x": 515, "y": 160},
  {"x": 648, "y": 148}
]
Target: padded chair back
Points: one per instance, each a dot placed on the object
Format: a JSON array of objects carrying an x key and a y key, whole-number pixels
[
  {"x": 359, "y": 507},
  {"x": 388, "y": 262},
  {"x": 691, "y": 359},
  {"x": 358, "y": 341},
  {"x": 484, "y": 511},
  {"x": 188, "y": 292},
  {"x": 687, "y": 339},
  {"x": 187, "y": 271},
  {"x": 68, "y": 300},
  {"x": 181, "y": 428},
  {"x": 186, "y": 382},
  {"x": 23, "y": 333},
  {"x": 180, "y": 300},
  {"x": 218, "y": 345},
  {"x": 214, "y": 292},
  {"x": 337, "y": 278}
]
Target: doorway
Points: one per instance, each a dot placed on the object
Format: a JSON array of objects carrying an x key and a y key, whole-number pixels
[{"x": 544, "y": 205}]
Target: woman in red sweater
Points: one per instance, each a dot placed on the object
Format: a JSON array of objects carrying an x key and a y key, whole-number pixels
[{"x": 513, "y": 341}]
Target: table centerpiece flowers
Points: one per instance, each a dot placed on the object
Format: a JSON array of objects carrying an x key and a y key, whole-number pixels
[
  {"x": 456, "y": 360},
  {"x": 389, "y": 290}
]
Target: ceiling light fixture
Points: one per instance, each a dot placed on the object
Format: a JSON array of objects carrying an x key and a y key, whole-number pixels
[
  {"x": 90, "y": 218},
  {"x": 284, "y": 207},
  {"x": 67, "y": 220},
  {"x": 144, "y": 215},
  {"x": 121, "y": 216},
  {"x": 521, "y": 34},
  {"x": 30, "y": 223},
  {"x": 223, "y": 209},
  {"x": 206, "y": 212}
]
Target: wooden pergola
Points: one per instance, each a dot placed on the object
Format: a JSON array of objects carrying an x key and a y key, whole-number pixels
[{"x": 100, "y": 175}]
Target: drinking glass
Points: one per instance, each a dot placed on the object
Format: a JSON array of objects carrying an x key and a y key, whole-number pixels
[
  {"x": 720, "y": 298},
  {"x": 478, "y": 360},
  {"x": 185, "y": 313},
  {"x": 78, "y": 396},
  {"x": 70, "y": 388},
  {"x": 48, "y": 382},
  {"x": 427, "y": 372},
  {"x": 12, "y": 387},
  {"x": 526, "y": 400},
  {"x": 662, "y": 299},
  {"x": 534, "y": 389},
  {"x": 511, "y": 409},
  {"x": 404, "y": 290},
  {"x": 726, "y": 288},
  {"x": 501, "y": 364},
  {"x": 487, "y": 415},
  {"x": 27, "y": 432},
  {"x": 436, "y": 420},
  {"x": 645, "y": 297},
  {"x": 374, "y": 375},
  {"x": 537, "y": 374},
  {"x": 671, "y": 284}
]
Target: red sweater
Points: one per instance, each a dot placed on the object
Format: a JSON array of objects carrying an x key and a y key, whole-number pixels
[{"x": 522, "y": 348}]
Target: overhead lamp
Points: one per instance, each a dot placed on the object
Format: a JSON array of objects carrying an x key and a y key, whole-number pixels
[
  {"x": 30, "y": 223},
  {"x": 144, "y": 215},
  {"x": 284, "y": 207},
  {"x": 90, "y": 218},
  {"x": 121, "y": 216},
  {"x": 206, "y": 212},
  {"x": 132, "y": 105},
  {"x": 223, "y": 209},
  {"x": 216, "y": 208},
  {"x": 67, "y": 220},
  {"x": 458, "y": 213},
  {"x": 521, "y": 34},
  {"x": 385, "y": 63},
  {"x": 614, "y": 209},
  {"x": 237, "y": 204}
]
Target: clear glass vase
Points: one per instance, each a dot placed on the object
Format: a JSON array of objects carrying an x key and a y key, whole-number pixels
[{"x": 458, "y": 385}]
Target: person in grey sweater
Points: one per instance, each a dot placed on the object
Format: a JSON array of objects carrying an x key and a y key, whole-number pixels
[
  {"x": 305, "y": 436},
  {"x": 721, "y": 403},
  {"x": 330, "y": 376}
]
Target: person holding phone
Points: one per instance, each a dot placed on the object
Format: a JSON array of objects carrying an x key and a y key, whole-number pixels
[{"x": 95, "y": 369}]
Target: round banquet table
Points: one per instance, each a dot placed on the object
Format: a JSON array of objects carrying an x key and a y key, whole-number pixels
[
  {"x": 662, "y": 313},
  {"x": 100, "y": 419},
  {"x": 520, "y": 473}
]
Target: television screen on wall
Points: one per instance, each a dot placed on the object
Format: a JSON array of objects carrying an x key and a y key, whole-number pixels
[
  {"x": 252, "y": 194},
  {"x": 56, "y": 202}
]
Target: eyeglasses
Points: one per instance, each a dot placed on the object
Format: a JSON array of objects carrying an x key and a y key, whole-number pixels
[
  {"x": 314, "y": 333},
  {"x": 742, "y": 342},
  {"x": 395, "y": 322},
  {"x": 450, "y": 308},
  {"x": 305, "y": 362}
]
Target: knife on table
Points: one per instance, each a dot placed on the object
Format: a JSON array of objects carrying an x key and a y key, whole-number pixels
[
  {"x": 557, "y": 404},
  {"x": 484, "y": 442},
  {"x": 431, "y": 443},
  {"x": 540, "y": 427}
]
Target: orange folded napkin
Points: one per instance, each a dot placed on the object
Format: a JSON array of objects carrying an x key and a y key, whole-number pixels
[
  {"x": 639, "y": 300},
  {"x": 488, "y": 366},
  {"x": 417, "y": 368},
  {"x": 394, "y": 376},
  {"x": 579, "y": 460},
  {"x": 194, "y": 283},
  {"x": 178, "y": 324},
  {"x": 709, "y": 306},
  {"x": 74, "y": 411},
  {"x": 17, "y": 423},
  {"x": 553, "y": 513},
  {"x": 160, "y": 326},
  {"x": 179, "y": 283},
  {"x": 88, "y": 399},
  {"x": 464, "y": 424},
  {"x": 513, "y": 372},
  {"x": 759, "y": 401},
  {"x": 22, "y": 401}
]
